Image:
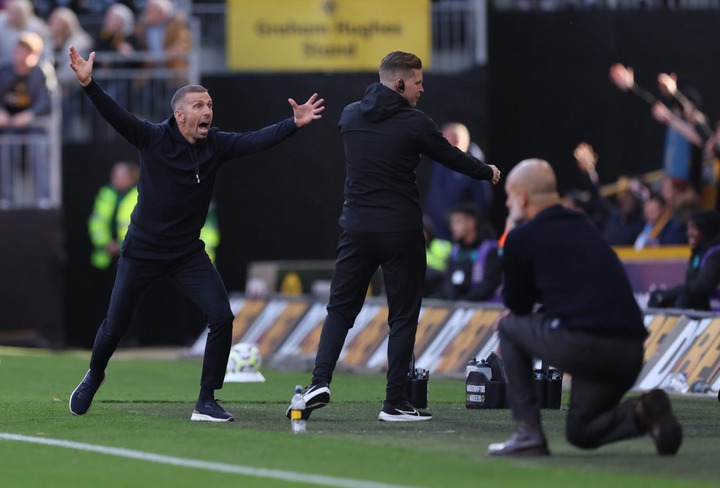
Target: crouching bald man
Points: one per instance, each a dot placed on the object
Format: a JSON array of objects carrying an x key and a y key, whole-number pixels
[{"x": 588, "y": 325}]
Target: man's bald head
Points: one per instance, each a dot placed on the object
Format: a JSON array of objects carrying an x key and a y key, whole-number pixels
[
  {"x": 535, "y": 176},
  {"x": 531, "y": 186}
]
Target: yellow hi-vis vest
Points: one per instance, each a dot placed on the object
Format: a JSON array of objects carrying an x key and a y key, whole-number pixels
[{"x": 100, "y": 225}]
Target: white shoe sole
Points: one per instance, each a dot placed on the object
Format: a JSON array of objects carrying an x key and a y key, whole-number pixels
[
  {"x": 317, "y": 392},
  {"x": 201, "y": 417},
  {"x": 386, "y": 417}
]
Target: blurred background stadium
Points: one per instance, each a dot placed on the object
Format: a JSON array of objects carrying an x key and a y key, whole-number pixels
[{"x": 527, "y": 77}]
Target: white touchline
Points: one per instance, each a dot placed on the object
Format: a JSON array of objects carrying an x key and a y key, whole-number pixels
[{"x": 197, "y": 464}]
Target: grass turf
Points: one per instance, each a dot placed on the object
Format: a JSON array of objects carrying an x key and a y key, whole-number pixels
[{"x": 145, "y": 405}]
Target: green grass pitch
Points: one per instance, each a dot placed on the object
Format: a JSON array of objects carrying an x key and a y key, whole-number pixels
[{"x": 144, "y": 408}]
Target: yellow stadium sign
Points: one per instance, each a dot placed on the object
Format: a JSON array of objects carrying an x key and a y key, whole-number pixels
[{"x": 324, "y": 35}]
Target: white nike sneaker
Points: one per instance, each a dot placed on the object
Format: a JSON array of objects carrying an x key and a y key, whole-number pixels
[{"x": 403, "y": 412}]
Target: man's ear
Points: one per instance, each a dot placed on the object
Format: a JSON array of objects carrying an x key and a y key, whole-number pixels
[{"x": 524, "y": 199}]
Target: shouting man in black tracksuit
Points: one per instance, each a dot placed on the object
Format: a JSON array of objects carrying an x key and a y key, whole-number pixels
[
  {"x": 180, "y": 159},
  {"x": 384, "y": 136}
]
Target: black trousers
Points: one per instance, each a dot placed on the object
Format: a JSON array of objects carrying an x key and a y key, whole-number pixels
[
  {"x": 198, "y": 278},
  {"x": 603, "y": 369},
  {"x": 401, "y": 255}
]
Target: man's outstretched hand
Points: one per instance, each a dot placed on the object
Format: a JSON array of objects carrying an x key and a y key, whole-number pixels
[
  {"x": 308, "y": 111},
  {"x": 82, "y": 67}
]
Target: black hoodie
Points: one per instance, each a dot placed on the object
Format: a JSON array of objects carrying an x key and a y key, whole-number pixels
[
  {"x": 176, "y": 178},
  {"x": 384, "y": 138}
]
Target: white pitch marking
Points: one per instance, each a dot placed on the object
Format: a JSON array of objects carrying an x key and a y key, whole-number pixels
[{"x": 277, "y": 474}]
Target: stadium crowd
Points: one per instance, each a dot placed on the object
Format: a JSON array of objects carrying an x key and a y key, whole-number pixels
[
  {"x": 462, "y": 262},
  {"x": 143, "y": 34}
]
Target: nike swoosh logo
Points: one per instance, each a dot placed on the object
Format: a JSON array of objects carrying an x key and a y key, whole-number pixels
[{"x": 407, "y": 412}]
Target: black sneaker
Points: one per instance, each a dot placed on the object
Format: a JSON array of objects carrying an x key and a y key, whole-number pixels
[
  {"x": 655, "y": 415},
  {"x": 316, "y": 396},
  {"x": 82, "y": 396},
  {"x": 404, "y": 412},
  {"x": 210, "y": 412}
]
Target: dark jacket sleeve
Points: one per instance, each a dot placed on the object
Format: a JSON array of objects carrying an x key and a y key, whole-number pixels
[
  {"x": 519, "y": 293},
  {"x": 138, "y": 132},
  {"x": 435, "y": 146},
  {"x": 598, "y": 207},
  {"x": 237, "y": 144},
  {"x": 492, "y": 277}
]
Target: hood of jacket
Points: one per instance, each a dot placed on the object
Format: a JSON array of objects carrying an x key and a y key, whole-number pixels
[{"x": 380, "y": 103}]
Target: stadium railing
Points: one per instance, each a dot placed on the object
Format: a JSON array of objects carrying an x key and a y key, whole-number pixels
[
  {"x": 140, "y": 82},
  {"x": 30, "y": 164}
]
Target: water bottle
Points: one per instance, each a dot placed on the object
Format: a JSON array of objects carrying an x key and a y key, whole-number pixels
[{"x": 297, "y": 408}]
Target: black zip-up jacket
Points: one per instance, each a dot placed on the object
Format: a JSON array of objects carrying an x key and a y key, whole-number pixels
[
  {"x": 176, "y": 178},
  {"x": 384, "y": 138},
  {"x": 560, "y": 260}
]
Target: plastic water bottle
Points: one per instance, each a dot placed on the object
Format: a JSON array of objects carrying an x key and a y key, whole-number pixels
[{"x": 297, "y": 407}]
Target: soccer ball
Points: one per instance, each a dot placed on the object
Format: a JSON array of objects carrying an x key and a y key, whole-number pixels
[{"x": 244, "y": 358}]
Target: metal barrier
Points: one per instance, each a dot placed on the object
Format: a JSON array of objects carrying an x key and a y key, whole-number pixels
[
  {"x": 139, "y": 82},
  {"x": 30, "y": 163},
  {"x": 145, "y": 92},
  {"x": 213, "y": 53},
  {"x": 459, "y": 35}
]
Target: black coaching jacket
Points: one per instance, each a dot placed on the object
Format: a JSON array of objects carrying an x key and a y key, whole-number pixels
[
  {"x": 176, "y": 178},
  {"x": 384, "y": 138},
  {"x": 560, "y": 260}
]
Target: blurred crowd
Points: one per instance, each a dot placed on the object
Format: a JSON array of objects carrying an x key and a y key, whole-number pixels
[
  {"x": 463, "y": 247},
  {"x": 666, "y": 207},
  {"x": 38, "y": 90},
  {"x": 128, "y": 27}
]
